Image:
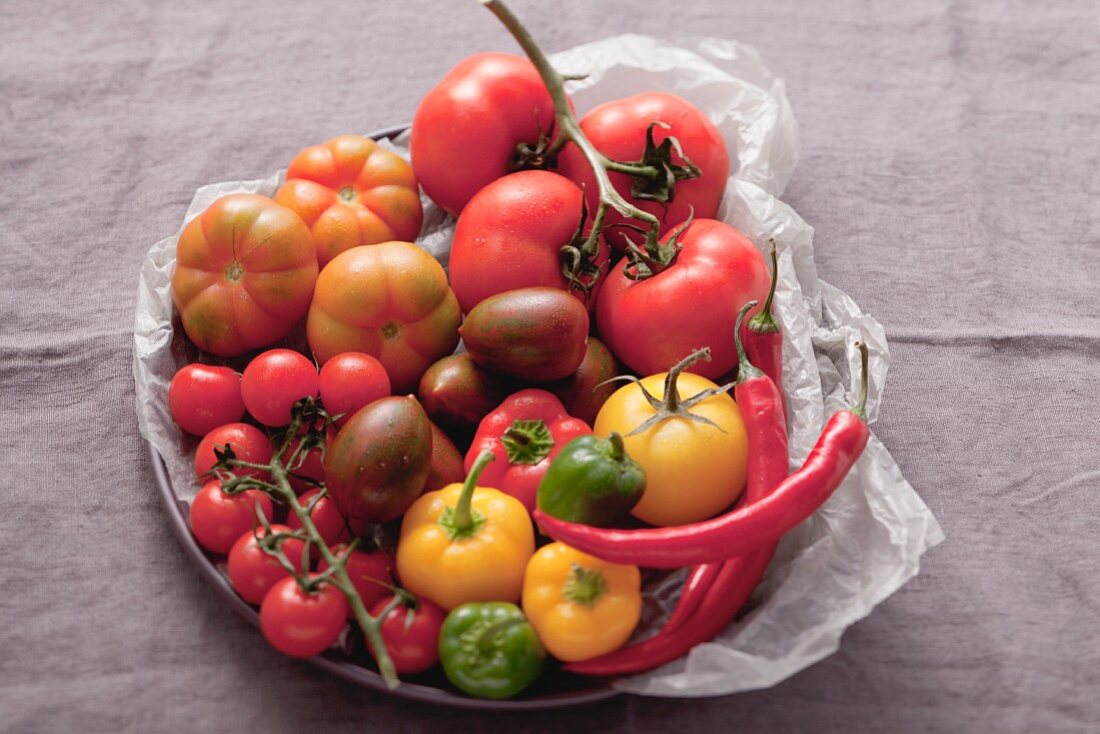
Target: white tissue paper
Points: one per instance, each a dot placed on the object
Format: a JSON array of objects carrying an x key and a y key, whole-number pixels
[{"x": 834, "y": 568}]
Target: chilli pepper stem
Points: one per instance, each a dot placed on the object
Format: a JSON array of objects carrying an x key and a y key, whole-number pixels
[
  {"x": 463, "y": 519},
  {"x": 764, "y": 322},
  {"x": 746, "y": 370},
  {"x": 861, "y": 407}
]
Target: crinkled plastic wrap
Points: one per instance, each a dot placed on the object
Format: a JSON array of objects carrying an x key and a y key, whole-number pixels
[{"x": 834, "y": 568}]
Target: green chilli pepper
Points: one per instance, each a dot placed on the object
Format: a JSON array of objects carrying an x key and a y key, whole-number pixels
[
  {"x": 592, "y": 481},
  {"x": 489, "y": 649}
]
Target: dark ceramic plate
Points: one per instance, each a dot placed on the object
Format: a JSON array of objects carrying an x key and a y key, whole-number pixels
[{"x": 555, "y": 688}]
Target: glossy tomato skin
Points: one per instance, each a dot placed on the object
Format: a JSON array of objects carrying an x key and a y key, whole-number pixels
[
  {"x": 202, "y": 397},
  {"x": 371, "y": 574},
  {"x": 413, "y": 646},
  {"x": 457, "y": 393},
  {"x": 350, "y": 381},
  {"x": 244, "y": 277},
  {"x": 331, "y": 523},
  {"x": 218, "y": 519},
  {"x": 276, "y": 379},
  {"x": 716, "y": 272},
  {"x": 618, "y": 128},
  {"x": 510, "y": 236},
  {"x": 446, "y": 463},
  {"x": 390, "y": 301},
  {"x": 299, "y": 624},
  {"x": 248, "y": 443},
  {"x": 350, "y": 191},
  {"x": 585, "y": 391},
  {"x": 253, "y": 572},
  {"x": 467, "y": 127}
]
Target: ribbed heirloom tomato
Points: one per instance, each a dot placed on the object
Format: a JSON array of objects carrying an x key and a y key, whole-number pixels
[
  {"x": 390, "y": 301},
  {"x": 245, "y": 270},
  {"x": 618, "y": 130},
  {"x": 351, "y": 191},
  {"x": 466, "y": 131}
]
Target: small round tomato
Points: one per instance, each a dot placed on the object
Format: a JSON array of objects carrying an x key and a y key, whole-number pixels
[
  {"x": 245, "y": 270},
  {"x": 331, "y": 523},
  {"x": 253, "y": 572},
  {"x": 301, "y": 624},
  {"x": 203, "y": 397},
  {"x": 716, "y": 272},
  {"x": 468, "y": 128},
  {"x": 390, "y": 301},
  {"x": 218, "y": 519},
  {"x": 248, "y": 444},
  {"x": 371, "y": 573},
  {"x": 618, "y": 130},
  {"x": 351, "y": 380},
  {"x": 351, "y": 191},
  {"x": 411, "y": 634},
  {"x": 274, "y": 381},
  {"x": 511, "y": 235}
]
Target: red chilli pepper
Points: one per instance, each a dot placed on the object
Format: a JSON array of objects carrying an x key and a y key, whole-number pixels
[
  {"x": 764, "y": 340},
  {"x": 760, "y": 403},
  {"x": 740, "y": 531}
]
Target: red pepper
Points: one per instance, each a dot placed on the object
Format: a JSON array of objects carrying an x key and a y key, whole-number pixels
[
  {"x": 744, "y": 529},
  {"x": 760, "y": 403},
  {"x": 524, "y": 433},
  {"x": 716, "y": 591},
  {"x": 764, "y": 340}
]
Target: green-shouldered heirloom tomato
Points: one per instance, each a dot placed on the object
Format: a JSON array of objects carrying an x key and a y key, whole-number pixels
[{"x": 245, "y": 271}]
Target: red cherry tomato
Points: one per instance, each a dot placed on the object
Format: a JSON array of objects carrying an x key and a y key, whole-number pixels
[
  {"x": 350, "y": 381},
  {"x": 300, "y": 624},
  {"x": 248, "y": 442},
  {"x": 371, "y": 573},
  {"x": 413, "y": 644},
  {"x": 253, "y": 572},
  {"x": 218, "y": 519},
  {"x": 203, "y": 397},
  {"x": 716, "y": 272},
  {"x": 618, "y": 130},
  {"x": 511, "y": 234},
  {"x": 467, "y": 128},
  {"x": 274, "y": 381},
  {"x": 330, "y": 522}
]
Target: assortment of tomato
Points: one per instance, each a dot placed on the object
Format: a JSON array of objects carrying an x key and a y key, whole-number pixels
[{"x": 386, "y": 480}]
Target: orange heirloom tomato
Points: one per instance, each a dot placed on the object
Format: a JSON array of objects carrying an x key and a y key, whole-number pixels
[
  {"x": 390, "y": 301},
  {"x": 245, "y": 270},
  {"x": 350, "y": 192}
]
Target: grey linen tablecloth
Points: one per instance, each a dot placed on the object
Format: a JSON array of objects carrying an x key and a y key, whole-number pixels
[{"x": 951, "y": 166}]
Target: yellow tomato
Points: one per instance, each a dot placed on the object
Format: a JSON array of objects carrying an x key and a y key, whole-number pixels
[
  {"x": 693, "y": 469},
  {"x": 581, "y": 607}
]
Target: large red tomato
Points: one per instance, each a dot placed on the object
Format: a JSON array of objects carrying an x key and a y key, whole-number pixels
[
  {"x": 618, "y": 130},
  {"x": 245, "y": 270},
  {"x": 510, "y": 235},
  {"x": 390, "y": 301},
  {"x": 652, "y": 324},
  {"x": 466, "y": 131},
  {"x": 350, "y": 191}
]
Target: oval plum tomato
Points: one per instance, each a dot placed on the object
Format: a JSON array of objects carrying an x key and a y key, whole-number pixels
[
  {"x": 371, "y": 573},
  {"x": 218, "y": 519},
  {"x": 351, "y": 380},
  {"x": 618, "y": 130},
  {"x": 390, "y": 301},
  {"x": 511, "y": 235},
  {"x": 331, "y": 523},
  {"x": 203, "y": 397},
  {"x": 645, "y": 323},
  {"x": 467, "y": 129},
  {"x": 245, "y": 270},
  {"x": 411, "y": 634},
  {"x": 253, "y": 572},
  {"x": 301, "y": 624},
  {"x": 274, "y": 381},
  {"x": 351, "y": 191},
  {"x": 248, "y": 444}
]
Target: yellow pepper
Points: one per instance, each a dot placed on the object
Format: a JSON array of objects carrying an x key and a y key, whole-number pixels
[
  {"x": 581, "y": 607},
  {"x": 465, "y": 543}
]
